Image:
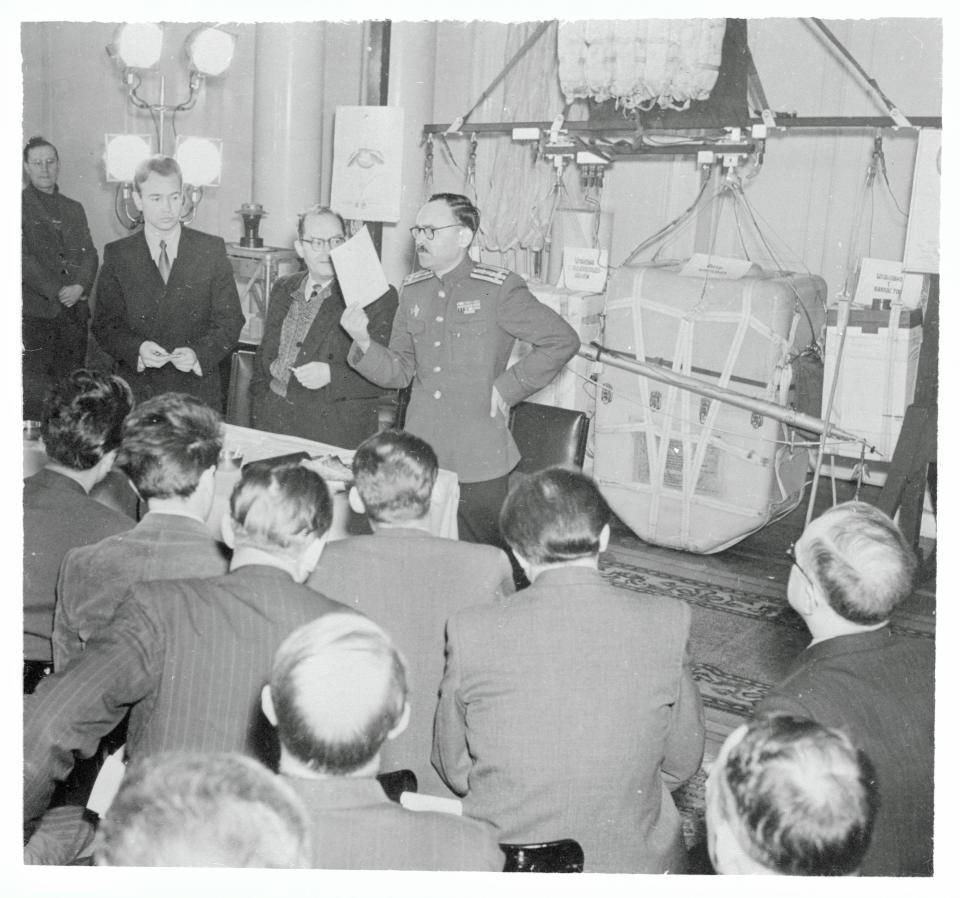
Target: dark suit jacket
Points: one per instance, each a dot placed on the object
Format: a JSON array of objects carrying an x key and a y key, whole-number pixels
[
  {"x": 53, "y": 256},
  {"x": 93, "y": 579},
  {"x": 198, "y": 308},
  {"x": 57, "y": 515},
  {"x": 356, "y": 827},
  {"x": 410, "y": 582},
  {"x": 190, "y": 656},
  {"x": 879, "y": 688},
  {"x": 344, "y": 412},
  {"x": 569, "y": 711}
]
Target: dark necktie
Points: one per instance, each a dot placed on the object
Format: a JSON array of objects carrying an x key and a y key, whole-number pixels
[{"x": 163, "y": 262}]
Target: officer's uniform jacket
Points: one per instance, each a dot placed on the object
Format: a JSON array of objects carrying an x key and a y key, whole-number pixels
[{"x": 452, "y": 336}]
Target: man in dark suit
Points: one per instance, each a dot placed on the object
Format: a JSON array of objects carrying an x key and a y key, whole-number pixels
[
  {"x": 81, "y": 427},
  {"x": 190, "y": 656},
  {"x": 302, "y": 384},
  {"x": 407, "y": 580},
  {"x": 169, "y": 451},
  {"x": 852, "y": 568},
  {"x": 59, "y": 264},
  {"x": 568, "y": 710},
  {"x": 788, "y": 796},
  {"x": 167, "y": 306},
  {"x": 337, "y": 694}
]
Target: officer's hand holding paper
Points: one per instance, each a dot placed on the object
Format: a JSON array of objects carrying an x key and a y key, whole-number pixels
[
  {"x": 358, "y": 270},
  {"x": 361, "y": 282}
]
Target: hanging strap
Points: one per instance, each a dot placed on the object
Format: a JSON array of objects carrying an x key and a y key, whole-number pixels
[
  {"x": 470, "y": 177},
  {"x": 428, "y": 168}
]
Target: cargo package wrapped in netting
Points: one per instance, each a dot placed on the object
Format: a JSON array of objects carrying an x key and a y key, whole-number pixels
[{"x": 682, "y": 470}]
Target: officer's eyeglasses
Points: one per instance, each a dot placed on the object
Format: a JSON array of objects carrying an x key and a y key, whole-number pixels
[
  {"x": 42, "y": 163},
  {"x": 792, "y": 555},
  {"x": 429, "y": 232},
  {"x": 319, "y": 243}
]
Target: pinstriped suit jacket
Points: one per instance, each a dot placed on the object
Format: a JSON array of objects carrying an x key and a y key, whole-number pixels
[
  {"x": 94, "y": 579},
  {"x": 191, "y": 656}
]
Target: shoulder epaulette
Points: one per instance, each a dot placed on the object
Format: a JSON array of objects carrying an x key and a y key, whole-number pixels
[
  {"x": 492, "y": 273},
  {"x": 422, "y": 275}
]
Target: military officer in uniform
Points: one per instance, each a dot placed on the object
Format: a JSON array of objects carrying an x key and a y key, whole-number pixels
[{"x": 452, "y": 336}]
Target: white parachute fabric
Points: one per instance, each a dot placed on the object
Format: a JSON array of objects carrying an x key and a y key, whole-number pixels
[
  {"x": 515, "y": 191},
  {"x": 640, "y": 63}
]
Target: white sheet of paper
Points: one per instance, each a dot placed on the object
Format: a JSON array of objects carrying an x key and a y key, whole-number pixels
[
  {"x": 358, "y": 270},
  {"x": 415, "y": 801},
  {"x": 107, "y": 783}
]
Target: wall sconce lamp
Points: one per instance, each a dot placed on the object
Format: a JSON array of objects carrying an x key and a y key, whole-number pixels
[
  {"x": 137, "y": 47},
  {"x": 200, "y": 160}
]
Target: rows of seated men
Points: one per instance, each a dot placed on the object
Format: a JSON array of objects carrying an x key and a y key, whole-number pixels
[{"x": 266, "y": 682}]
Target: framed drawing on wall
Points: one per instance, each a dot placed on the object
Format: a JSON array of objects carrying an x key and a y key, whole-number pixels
[{"x": 367, "y": 160}]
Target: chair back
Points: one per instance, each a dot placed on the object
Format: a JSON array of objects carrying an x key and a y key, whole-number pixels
[
  {"x": 238, "y": 395},
  {"x": 547, "y": 436},
  {"x": 561, "y": 856},
  {"x": 396, "y": 782}
]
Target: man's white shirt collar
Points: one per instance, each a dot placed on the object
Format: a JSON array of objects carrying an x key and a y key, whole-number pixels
[
  {"x": 154, "y": 237},
  {"x": 311, "y": 283}
]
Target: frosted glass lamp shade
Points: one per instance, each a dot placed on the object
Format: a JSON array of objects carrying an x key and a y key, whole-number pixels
[
  {"x": 138, "y": 45},
  {"x": 211, "y": 50},
  {"x": 200, "y": 160},
  {"x": 124, "y": 152}
]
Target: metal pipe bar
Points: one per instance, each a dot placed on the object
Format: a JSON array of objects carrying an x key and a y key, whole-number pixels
[
  {"x": 788, "y": 416},
  {"x": 895, "y": 113},
  {"x": 785, "y": 121},
  {"x": 678, "y": 149}
]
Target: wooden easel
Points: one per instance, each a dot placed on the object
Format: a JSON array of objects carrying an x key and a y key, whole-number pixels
[{"x": 914, "y": 464}]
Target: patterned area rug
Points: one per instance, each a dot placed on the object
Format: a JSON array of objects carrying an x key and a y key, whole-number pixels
[{"x": 743, "y": 637}]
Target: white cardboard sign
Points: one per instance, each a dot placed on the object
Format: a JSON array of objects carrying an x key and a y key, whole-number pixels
[
  {"x": 584, "y": 269},
  {"x": 720, "y": 267}
]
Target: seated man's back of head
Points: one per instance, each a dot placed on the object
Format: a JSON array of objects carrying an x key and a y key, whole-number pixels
[
  {"x": 337, "y": 694},
  {"x": 789, "y": 796},
  {"x": 203, "y": 810}
]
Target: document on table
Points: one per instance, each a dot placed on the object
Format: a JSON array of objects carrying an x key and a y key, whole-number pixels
[{"x": 358, "y": 270}]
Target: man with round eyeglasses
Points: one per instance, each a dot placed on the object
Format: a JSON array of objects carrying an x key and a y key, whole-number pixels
[
  {"x": 59, "y": 266},
  {"x": 452, "y": 339},
  {"x": 302, "y": 384},
  {"x": 865, "y": 675}
]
